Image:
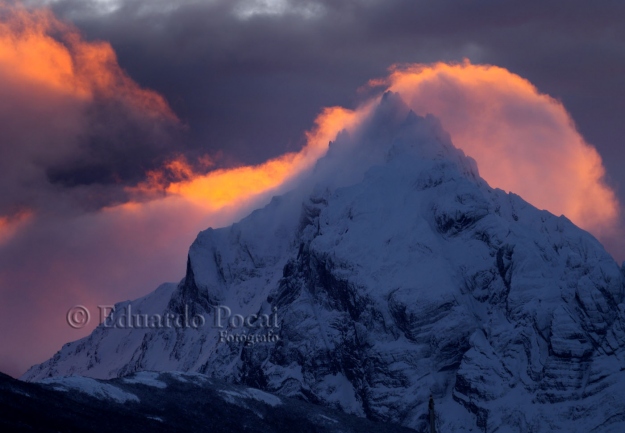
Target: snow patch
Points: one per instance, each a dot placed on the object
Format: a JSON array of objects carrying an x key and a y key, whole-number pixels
[
  {"x": 90, "y": 387},
  {"x": 251, "y": 393},
  {"x": 327, "y": 418},
  {"x": 264, "y": 397},
  {"x": 186, "y": 377},
  {"x": 148, "y": 378}
]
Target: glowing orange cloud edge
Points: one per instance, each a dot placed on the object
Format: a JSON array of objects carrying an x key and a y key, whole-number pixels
[
  {"x": 65, "y": 63},
  {"x": 229, "y": 187},
  {"x": 524, "y": 141}
]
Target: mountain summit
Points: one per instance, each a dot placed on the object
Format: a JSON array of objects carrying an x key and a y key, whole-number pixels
[{"x": 393, "y": 273}]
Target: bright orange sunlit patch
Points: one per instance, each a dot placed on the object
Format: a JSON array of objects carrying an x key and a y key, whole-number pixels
[
  {"x": 26, "y": 50},
  {"x": 37, "y": 48},
  {"x": 231, "y": 187}
]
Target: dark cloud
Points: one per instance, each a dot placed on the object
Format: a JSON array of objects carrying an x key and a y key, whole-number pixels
[
  {"x": 119, "y": 145},
  {"x": 250, "y": 87},
  {"x": 70, "y": 118}
]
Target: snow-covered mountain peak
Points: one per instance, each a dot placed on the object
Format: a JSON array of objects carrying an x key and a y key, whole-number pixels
[
  {"x": 395, "y": 273},
  {"x": 392, "y": 136}
]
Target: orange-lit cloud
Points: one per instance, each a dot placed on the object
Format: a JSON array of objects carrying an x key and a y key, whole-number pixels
[
  {"x": 234, "y": 187},
  {"x": 523, "y": 141},
  {"x": 38, "y": 49},
  {"x": 53, "y": 87}
]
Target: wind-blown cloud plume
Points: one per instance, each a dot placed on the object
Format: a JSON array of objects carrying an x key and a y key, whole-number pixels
[
  {"x": 236, "y": 186},
  {"x": 523, "y": 141}
]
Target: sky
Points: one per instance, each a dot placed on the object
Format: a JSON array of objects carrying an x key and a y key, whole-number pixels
[{"x": 127, "y": 126}]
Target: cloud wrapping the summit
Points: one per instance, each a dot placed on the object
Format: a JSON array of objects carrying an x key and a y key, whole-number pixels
[{"x": 523, "y": 141}]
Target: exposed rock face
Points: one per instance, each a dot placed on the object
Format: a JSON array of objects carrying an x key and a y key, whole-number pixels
[{"x": 404, "y": 275}]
